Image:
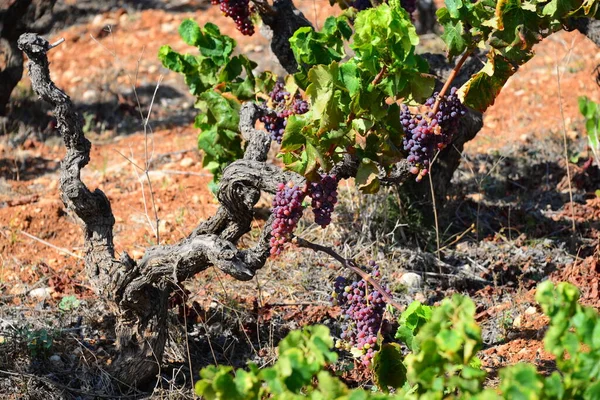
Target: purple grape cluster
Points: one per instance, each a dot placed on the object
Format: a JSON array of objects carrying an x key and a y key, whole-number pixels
[
  {"x": 239, "y": 11},
  {"x": 410, "y": 6},
  {"x": 287, "y": 209},
  {"x": 324, "y": 196},
  {"x": 425, "y": 133},
  {"x": 363, "y": 310},
  {"x": 276, "y": 122},
  {"x": 279, "y": 95},
  {"x": 361, "y": 5}
]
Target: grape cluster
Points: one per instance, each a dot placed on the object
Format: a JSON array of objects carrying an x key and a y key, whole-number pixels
[
  {"x": 324, "y": 196},
  {"x": 410, "y": 6},
  {"x": 276, "y": 121},
  {"x": 363, "y": 310},
  {"x": 239, "y": 11},
  {"x": 425, "y": 133},
  {"x": 287, "y": 209},
  {"x": 361, "y": 4}
]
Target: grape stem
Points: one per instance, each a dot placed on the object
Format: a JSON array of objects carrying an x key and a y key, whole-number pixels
[
  {"x": 451, "y": 77},
  {"x": 379, "y": 76},
  {"x": 351, "y": 265}
]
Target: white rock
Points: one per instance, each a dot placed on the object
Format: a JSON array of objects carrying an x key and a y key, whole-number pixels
[
  {"x": 187, "y": 162},
  {"x": 531, "y": 310},
  {"x": 411, "y": 280},
  {"x": 40, "y": 293},
  {"x": 90, "y": 96}
]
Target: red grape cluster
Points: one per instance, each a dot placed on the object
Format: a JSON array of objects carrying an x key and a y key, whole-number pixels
[
  {"x": 363, "y": 310},
  {"x": 239, "y": 11},
  {"x": 324, "y": 196},
  {"x": 425, "y": 133},
  {"x": 275, "y": 124},
  {"x": 287, "y": 208}
]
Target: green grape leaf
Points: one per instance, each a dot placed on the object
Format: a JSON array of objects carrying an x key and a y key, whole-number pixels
[
  {"x": 558, "y": 9},
  {"x": 190, "y": 32},
  {"x": 366, "y": 176},
  {"x": 350, "y": 78},
  {"x": 481, "y": 90},
  {"x": 170, "y": 59},
  {"x": 411, "y": 321},
  {"x": 518, "y": 30},
  {"x": 293, "y": 137},
  {"x": 324, "y": 97},
  {"x": 314, "y": 159},
  {"x": 388, "y": 369},
  {"x": 520, "y": 381},
  {"x": 212, "y": 44},
  {"x": 454, "y": 36}
]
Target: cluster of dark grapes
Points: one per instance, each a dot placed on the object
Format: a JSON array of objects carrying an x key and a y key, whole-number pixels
[
  {"x": 287, "y": 209},
  {"x": 425, "y": 133},
  {"x": 361, "y": 4},
  {"x": 409, "y": 5},
  {"x": 239, "y": 11},
  {"x": 276, "y": 121},
  {"x": 324, "y": 196},
  {"x": 363, "y": 310}
]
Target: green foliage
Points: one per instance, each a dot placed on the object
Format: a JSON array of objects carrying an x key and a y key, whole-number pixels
[
  {"x": 442, "y": 365},
  {"x": 591, "y": 112},
  {"x": 39, "y": 342},
  {"x": 220, "y": 82},
  {"x": 349, "y": 107},
  {"x": 69, "y": 303},
  {"x": 446, "y": 358},
  {"x": 298, "y": 373},
  {"x": 410, "y": 323},
  {"x": 509, "y": 29},
  {"x": 354, "y": 97},
  {"x": 574, "y": 339}
]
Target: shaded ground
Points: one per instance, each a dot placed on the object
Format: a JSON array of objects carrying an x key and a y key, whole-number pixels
[{"x": 507, "y": 225}]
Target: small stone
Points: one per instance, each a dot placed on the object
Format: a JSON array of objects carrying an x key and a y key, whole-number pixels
[
  {"x": 531, "y": 310},
  {"x": 411, "y": 280},
  {"x": 54, "y": 358},
  {"x": 187, "y": 162},
  {"x": 90, "y": 96},
  {"x": 40, "y": 293},
  {"x": 518, "y": 321}
]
